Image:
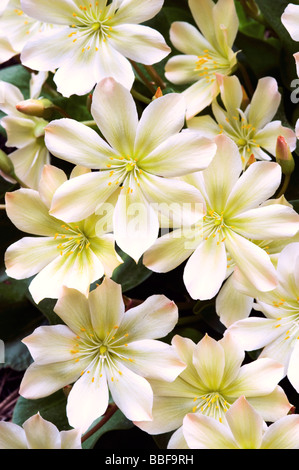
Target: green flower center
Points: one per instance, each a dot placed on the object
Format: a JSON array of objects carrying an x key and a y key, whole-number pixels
[
  {"x": 211, "y": 404},
  {"x": 72, "y": 241}
]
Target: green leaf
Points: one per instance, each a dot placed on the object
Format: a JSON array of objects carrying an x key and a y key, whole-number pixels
[
  {"x": 129, "y": 274},
  {"x": 51, "y": 408},
  {"x": 18, "y": 76},
  {"x": 117, "y": 422}
]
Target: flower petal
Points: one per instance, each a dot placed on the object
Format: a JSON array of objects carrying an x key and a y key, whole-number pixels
[
  {"x": 29, "y": 214},
  {"x": 257, "y": 378},
  {"x": 42, "y": 380},
  {"x": 209, "y": 360},
  {"x": 246, "y": 424},
  {"x": 203, "y": 432},
  {"x": 199, "y": 95},
  {"x": 51, "y": 178},
  {"x": 254, "y": 333},
  {"x": 154, "y": 318},
  {"x": 231, "y": 304},
  {"x": 136, "y": 224},
  {"x": 283, "y": 434},
  {"x": 222, "y": 173},
  {"x": 88, "y": 398},
  {"x": 264, "y": 103},
  {"x": 161, "y": 119},
  {"x": 264, "y": 177},
  {"x": 131, "y": 393},
  {"x": 139, "y": 43},
  {"x": 293, "y": 374},
  {"x": 29, "y": 162},
  {"x": 106, "y": 307},
  {"x": 180, "y": 69},
  {"x": 187, "y": 39},
  {"x": 211, "y": 257},
  {"x": 20, "y": 130},
  {"x": 202, "y": 12},
  {"x": 159, "y": 257},
  {"x": 114, "y": 111},
  {"x": 12, "y": 436},
  {"x": 72, "y": 307},
  {"x": 29, "y": 255},
  {"x": 290, "y": 20},
  {"x": 61, "y": 11},
  {"x": 48, "y": 344},
  {"x": 154, "y": 359},
  {"x": 180, "y": 202},
  {"x": 252, "y": 261},
  {"x": 130, "y": 11},
  {"x": 272, "y": 406},
  {"x": 41, "y": 434},
  {"x": 267, "y": 222},
  {"x": 76, "y": 143},
  {"x": 180, "y": 154},
  {"x": 79, "y": 197}
]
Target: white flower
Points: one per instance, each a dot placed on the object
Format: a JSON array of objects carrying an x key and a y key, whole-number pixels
[
  {"x": 205, "y": 54},
  {"x": 73, "y": 255},
  {"x": 24, "y": 132},
  {"x": 103, "y": 348},
  {"x": 250, "y": 128},
  {"x": 290, "y": 20},
  {"x": 138, "y": 163},
  {"x": 278, "y": 333},
  {"x": 236, "y": 217},
  {"x": 212, "y": 381},
  {"x": 235, "y": 300},
  {"x": 37, "y": 433},
  {"x": 245, "y": 429},
  {"x": 17, "y": 28},
  {"x": 96, "y": 41}
]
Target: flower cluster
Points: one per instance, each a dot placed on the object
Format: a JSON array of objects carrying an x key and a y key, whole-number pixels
[{"x": 147, "y": 179}]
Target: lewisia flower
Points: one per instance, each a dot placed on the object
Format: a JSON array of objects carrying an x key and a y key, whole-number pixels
[
  {"x": 37, "y": 433},
  {"x": 250, "y": 128},
  {"x": 236, "y": 216},
  {"x": 96, "y": 41},
  {"x": 24, "y": 132},
  {"x": 290, "y": 20},
  {"x": 245, "y": 429},
  {"x": 17, "y": 28},
  {"x": 232, "y": 303},
  {"x": 278, "y": 333},
  {"x": 138, "y": 163},
  {"x": 205, "y": 54},
  {"x": 103, "y": 348},
  {"x": 73, "y": 255},
  {"x": 212, "y": 381}
]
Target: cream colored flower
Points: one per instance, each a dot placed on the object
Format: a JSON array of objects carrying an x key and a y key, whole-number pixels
[
  {"x": 206, "y": 53},
  {"x": 62, "y": 254},
  {"x": 252, "y": 129},
  {"x": 212, "y": 381},
  {"x": 37, "y": 433},
  {"x": 95, "y": 40},
  {"x": 100, "y": 348}
]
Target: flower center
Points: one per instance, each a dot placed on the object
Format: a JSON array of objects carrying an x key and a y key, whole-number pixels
[
  {"x": 73, "y": 242},
  {"x": 211, "y": 404},
  {"x": 91, "y": 25},
  {"x": 208, "y": 64}
]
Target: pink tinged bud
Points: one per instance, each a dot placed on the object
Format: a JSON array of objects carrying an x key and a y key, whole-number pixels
[
  {"x": 39, "y": 108},
  {"x": 158, "y": 94},
  {"x": 251, "y": 160},
  {"x": 284, "y": 156}
]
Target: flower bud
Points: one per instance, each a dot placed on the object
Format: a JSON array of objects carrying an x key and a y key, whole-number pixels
[
  {"x": 251, "y": 160},
  {"x": 284, "y": 156},
  {"x": 39, "y": 108},
  {"x": 6, "y": 164},
  {"x": 158, "y": 94}
]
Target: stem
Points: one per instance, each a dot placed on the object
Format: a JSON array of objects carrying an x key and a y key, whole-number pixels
[
  {"x": 89, "y": 123},
  {"x": 285, "y": 185},
  {"x": 188, "y": 320},
  {"x": 20, "y": 182},
  {"x": 155, "y": 76},
  {"x": 61, "y": 111},
  {"x": 140, "y": 97},
  {"x": 147, "y": 83},
  {"x": 109, "y": 413},
  {"x": 246, "y": 79}
]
